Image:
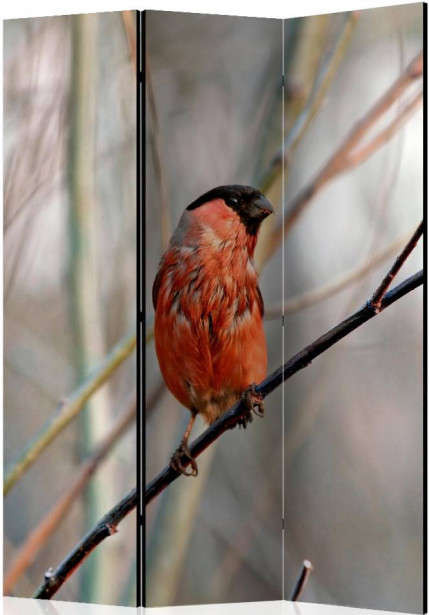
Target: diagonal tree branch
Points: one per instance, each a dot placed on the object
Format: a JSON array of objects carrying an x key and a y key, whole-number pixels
[
  {"x": 104, "y": 528},
  {"x": 48, "y": 525},
  {"x": 107, "y": 526},
  {"x": 377, "y": 303},
  {"x": 352, "y": 150}
]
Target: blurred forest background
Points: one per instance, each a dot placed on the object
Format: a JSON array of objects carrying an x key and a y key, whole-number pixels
[
  {"x": 344, "y": 464},
  {"x": 69, "y": 294}
]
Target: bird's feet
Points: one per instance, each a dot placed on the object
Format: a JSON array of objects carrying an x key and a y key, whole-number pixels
[
  {"x": 176, "y": 460},
  {"x": 253, "y": 402}
]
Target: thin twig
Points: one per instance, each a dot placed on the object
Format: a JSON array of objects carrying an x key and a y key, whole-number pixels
[
  {"x": 229, "y": 419},
  {"x": 388, "y": 279},
  {"x": 306, "y": 570},
  {"x": 335, "y": 286},
  {"x": 54, "y": 579},
  {"x": 325, "y": 75},
  {"x": 385, "y": 135},
  {"x": 68, "y": 409},
  {"x": 107, "y": 526},
  {"x": 38, "y": 537},
  {"x": 347, "y": 155}
]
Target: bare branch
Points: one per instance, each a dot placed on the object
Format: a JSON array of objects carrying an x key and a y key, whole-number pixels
[
  {"x": 325, "y": 75},
  {"x": 347, "y": 154},
  {"x": 384, "y": 136},
  {"x": 306, "y": 570},
  {"x": 107, "y": 526},
  {"x": 54, "y": 579},
  {"x": 388, "y": 279}
]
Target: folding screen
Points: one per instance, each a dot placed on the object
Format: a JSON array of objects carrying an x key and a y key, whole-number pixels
[
  {"x": 69, "y": 302},
  {"x": 275, "y": 163}
]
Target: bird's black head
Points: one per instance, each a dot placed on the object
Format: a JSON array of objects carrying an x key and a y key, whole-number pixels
[{"x": 249, "y": 203}]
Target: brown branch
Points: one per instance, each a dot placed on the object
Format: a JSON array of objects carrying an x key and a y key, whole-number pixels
[
  {"x": 347, "y": 154},
  {"x": 392, "y": 273},
  {"x": 313, "y": 297},
  {"x": 107, "y": 526},
  {"x": 306, "y": 570},
  {"x": 54, "y": 579},
  {"x": 385, "y": 135}
]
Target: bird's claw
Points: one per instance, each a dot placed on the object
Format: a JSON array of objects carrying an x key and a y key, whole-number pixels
[
  {"x": 176, "y": 461},
  {"x": 245, "y": 419},
  {"x": 253, "y": 402}
]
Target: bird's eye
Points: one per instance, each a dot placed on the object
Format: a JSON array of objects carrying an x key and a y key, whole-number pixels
[{"x": 232, "y": 200}]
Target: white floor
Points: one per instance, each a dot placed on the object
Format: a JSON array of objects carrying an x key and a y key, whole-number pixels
[{"x": 22, "y": 606}]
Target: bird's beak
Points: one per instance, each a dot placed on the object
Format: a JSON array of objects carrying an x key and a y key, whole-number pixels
[{"x": 261, "y": 208}]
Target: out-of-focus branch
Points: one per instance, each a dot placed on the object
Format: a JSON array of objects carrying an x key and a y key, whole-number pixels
[
  {"x": 386, "y": 134},
  {"x": 332, "y": 288},
  {"x": 306, "y": 570},
  {"x": 84, "y": 270},
  {"x": 230, "y": 418},
  {"x": 129, "y": 21},
  {"x": 38, "y": 537},
  {"x": 68, "y": 409},
  {"x": 325, "y": 75},
  {"x": 352, "y": 151},
  {"x": 54, "y": 579},
  {"x": 107, "y": 526},
  {"x": 328, "y": 69}
]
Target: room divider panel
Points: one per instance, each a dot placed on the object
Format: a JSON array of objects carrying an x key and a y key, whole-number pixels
[{"x": 213, "y": 309}]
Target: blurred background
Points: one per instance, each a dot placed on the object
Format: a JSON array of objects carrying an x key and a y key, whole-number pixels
[
  {"x": 69, "y": 291},
  {"x": 343, "y": 462}
]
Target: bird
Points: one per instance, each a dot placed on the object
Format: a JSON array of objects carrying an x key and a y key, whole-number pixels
[{"x": 208, "y": 327}]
